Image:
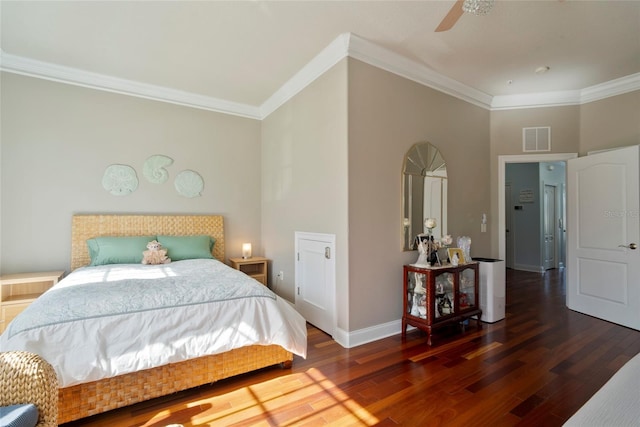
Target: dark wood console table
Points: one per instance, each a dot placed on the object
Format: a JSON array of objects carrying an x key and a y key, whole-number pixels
[{"x": 435, "y": 297}]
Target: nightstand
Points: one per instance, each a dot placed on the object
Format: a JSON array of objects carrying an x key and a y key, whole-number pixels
[
  {"x": 19, "y": 290},
  {"x": 255, "y": 267}
]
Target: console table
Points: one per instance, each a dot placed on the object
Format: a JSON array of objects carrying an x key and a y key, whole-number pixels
[{"x": 435, "y": 297}]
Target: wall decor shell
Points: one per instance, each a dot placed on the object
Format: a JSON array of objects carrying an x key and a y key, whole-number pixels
[
  {"x": 189, "y": 183},
  {"x": 154, "y": 168},
  {"x": 120, "y": 180}
]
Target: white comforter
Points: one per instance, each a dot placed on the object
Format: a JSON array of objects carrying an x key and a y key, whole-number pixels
[{"x": 104, "y": 321}]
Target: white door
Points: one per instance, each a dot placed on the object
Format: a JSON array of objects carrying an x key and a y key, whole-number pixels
[
  {"x": 315, "y": 280},
  {"x": 603, "y": 227},
  {"x": 549, "y": 227}
]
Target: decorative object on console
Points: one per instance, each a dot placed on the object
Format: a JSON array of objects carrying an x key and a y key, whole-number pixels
[
  {"x": 455, "y": 260},
  {"x": 154, "y": 168},
  {"x": 456, "y": 256},
  {"x": 246, "y": 250},
  {"x": 427, "y": 251},
  {"x": 120, "y": 180},
  {"x": 430, "y": 224},
  {"x": 464, "y": 243}
]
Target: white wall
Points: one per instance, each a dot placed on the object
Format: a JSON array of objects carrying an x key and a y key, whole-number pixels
[{"x": 58, "y": 139}]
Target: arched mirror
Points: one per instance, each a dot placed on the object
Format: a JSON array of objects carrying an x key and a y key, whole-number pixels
[{"x": 424, "y": 193}]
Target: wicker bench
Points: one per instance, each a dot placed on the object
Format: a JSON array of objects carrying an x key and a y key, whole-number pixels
[{"x": 27, "y": 378}]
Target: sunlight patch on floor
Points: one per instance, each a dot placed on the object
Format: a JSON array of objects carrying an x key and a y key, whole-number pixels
[
  {"x": 273, "y": 402},
  {"x": 482, "y": 350}
]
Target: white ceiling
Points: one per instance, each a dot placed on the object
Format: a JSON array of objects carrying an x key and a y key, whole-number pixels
[{"x": 243, "y": 52}]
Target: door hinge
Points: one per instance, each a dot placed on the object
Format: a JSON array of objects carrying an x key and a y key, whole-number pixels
[
  {"x": 327, "y": 252},
  {"x": 298, "y": 290}
]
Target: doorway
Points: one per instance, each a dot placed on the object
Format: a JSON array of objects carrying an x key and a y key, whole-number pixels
[{"x": 502, "y": 164}]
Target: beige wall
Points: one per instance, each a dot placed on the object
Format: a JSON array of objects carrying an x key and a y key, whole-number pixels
[
  {"x": 610, "y": 123},
  {"x": 304, "y": 179},
  {"x": 58, "y": 139},
  {"x": 506, "y": 139},
  {"x": 387, "y": 115}
]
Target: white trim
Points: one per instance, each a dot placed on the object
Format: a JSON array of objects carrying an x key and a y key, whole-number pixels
[
  {"x": 574, "y": 97},
  {"x": 320, "y": 64},
  {"x": 535, "y": 100},
  {"x": 346, "y": 44},
  {"x": 388, "y": 60},
  {"x": 367, "y": 335},
  {"x": 73, "y": 76},
  {"x": 519, "y": 158},
  {"x": 611, "y": 88}
]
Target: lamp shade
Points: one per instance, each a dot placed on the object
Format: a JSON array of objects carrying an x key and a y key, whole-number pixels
[{"x": 246, "y": 250}]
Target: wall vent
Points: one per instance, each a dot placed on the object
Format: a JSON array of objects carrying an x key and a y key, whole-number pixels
[{"x": 536, "y": 139}]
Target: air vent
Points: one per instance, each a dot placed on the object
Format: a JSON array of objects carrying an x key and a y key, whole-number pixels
[{"x": 536, "y": 139}]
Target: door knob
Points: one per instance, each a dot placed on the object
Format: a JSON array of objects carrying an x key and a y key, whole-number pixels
[{"x": 631, "y": 246}]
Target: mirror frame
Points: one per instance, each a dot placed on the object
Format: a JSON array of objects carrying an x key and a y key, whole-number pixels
[{"x": 422, "y": 160}]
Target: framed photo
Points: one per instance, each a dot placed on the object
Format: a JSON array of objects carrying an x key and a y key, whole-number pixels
[{"x": 452, "y": 252}]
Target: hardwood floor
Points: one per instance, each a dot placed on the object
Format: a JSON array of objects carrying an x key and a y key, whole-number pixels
[{"x": 535, "y": 368}]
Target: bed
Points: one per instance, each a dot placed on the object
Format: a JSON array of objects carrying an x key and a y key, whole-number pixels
[
  {"x": 616, "y": 404},
  {"x": 166, "y": 340}
]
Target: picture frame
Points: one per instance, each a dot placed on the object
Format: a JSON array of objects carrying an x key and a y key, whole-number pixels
[{"x": 451, "y": 252}]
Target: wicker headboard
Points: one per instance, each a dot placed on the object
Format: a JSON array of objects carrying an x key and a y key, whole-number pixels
[{"x": 85, "y": 227}]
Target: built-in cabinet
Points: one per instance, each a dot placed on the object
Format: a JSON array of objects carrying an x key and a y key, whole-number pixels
[{"x": 435, "y": 297}]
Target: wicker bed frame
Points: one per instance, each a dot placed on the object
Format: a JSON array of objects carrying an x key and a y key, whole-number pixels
[{"x": 92, "y": 398}]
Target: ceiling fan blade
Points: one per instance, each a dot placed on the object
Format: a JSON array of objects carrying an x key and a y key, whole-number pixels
[{"x": 452, "y": 17}]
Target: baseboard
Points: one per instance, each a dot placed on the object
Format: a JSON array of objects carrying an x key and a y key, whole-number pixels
[
  {"x": 531, "y": 268},
  {"x": 367, "y": 335}
]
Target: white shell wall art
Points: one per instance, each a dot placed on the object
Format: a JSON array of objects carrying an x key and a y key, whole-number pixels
[
  {"x": 120, "y": 180},
  {"x": 154, "y": 168},
  {"x": 189, "y": 184}
]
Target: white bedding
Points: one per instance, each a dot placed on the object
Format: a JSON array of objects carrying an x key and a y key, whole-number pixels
[
  {"x": 85, "y": 340},
  {"x": 616, "y": 404}
]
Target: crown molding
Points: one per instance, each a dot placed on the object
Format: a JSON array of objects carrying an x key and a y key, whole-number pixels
[
  {"x": 611, "y": 88},
  {"x": 536, "y": 100},
  {"x": 575, "y": 97},
  {"x": 345, "y": 45},
  {"x": 388, "y": 60},
  {"x": 320, "y": 64},
  {"x": 58, "y": 73}
]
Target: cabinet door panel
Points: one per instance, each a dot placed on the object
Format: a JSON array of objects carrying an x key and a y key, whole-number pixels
[{"x": 467, "y": 296}]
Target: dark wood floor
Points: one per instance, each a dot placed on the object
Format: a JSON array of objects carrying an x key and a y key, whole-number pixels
[{"x": 535, "y": 368}]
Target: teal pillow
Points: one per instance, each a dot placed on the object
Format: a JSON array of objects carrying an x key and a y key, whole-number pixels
[
  {"x": 187, "y": 247},
  {"x": 117, "y": 250}
]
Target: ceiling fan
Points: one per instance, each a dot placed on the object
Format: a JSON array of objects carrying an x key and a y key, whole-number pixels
[{"x": 474, "y": 7}]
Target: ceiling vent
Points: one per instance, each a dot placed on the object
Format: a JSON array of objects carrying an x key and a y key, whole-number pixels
[{"x": 536, "y": 139}]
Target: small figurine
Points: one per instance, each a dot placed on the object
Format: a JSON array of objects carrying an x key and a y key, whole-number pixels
[{"x": 455, "y": 260}]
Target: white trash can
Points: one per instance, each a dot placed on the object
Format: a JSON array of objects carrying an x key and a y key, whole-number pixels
[{"x": 492, "y": 289}]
